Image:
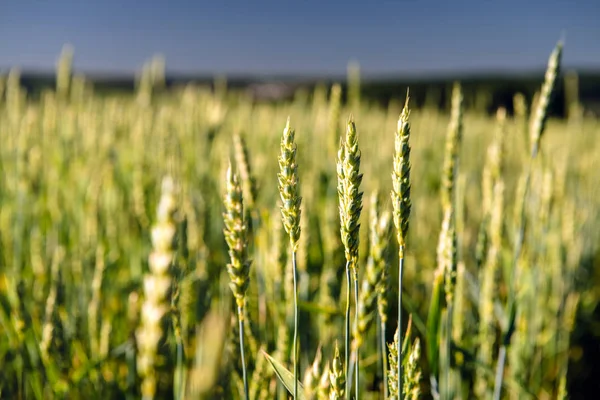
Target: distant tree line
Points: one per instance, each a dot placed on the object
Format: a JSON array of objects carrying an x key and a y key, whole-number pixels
[{"x": 481, "y": 92}]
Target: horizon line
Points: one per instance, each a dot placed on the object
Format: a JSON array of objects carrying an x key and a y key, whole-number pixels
[{"x": 327, "y": 76}]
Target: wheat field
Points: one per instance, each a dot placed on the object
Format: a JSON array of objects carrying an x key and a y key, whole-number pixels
[{"x": 193, "y": 243}]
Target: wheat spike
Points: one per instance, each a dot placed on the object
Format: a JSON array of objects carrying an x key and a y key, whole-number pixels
[
  {"x": 235, "y": 235},
  {"x": 157, "y": 284},
  {"x": 289, "y": 190},
  {"x": 337, "y": 378},
  {"x": 350, "y": 196},
  {"x": 453, "y": 139}
]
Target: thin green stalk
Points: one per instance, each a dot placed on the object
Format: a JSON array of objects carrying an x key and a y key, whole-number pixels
[
  {"x": 241, "y": 329},
  {"x": 500, "y": 372},
  {"x": 295, "y": 344},
  {"x": 290, "y": 213},
  {"x": 347, "y": 325},
  {"x": 444, "y": 358},
  {"x": 357, "y": 353},
  {"x": 179, "y": 372},
  {"x": 399, "y": 344},
  {"x": 449, "y": 389},
  {"x": 350, "y": 207},
  {"x": 401, "y": 203},
  {"x": 386, "y": 389}
]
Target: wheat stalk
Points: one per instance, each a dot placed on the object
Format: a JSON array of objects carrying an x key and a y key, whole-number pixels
[
  {"x": 239, "y": 266},
  {"x": 536, "y": 131},
  {"x": 402, "y": 205},
  {"x": 289, "y": 192},
  {"x": 350, "y": 207}
]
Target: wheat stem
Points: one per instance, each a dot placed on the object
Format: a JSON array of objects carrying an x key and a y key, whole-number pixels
[
  {"x": 347, "y": 326},
  {"x": 290, "y": 212},
  {"x": 386, "y": 389},
  {"x": 295, "y": 344},
  {"x": 242, "y": 352},
  {"x": 239, "y": 268},
  {"x": 399, "y": 344},
  {"x": 402, "y": 205},
  {"x": 356, "y": 352}
]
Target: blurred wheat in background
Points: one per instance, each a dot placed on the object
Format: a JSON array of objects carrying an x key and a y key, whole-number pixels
[{"x": 137, "y": 260}]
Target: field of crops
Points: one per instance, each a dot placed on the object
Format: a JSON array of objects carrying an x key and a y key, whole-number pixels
[{"x": 189, "y": 242}]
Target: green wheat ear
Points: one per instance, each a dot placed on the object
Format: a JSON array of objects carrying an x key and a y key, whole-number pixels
[
  {"x": 410, "y": 356},
  {"x": 157, "y": 284},
  {"x": 242, "y": 159},
  {"x": 323, "y": 389},
  {"x": 350, "y": 196},
  {"x": 337, "y": 378},
  {"x": 412, "y": 378},
  {"x": 541, "y": 111},
  {"x": 447, "y": 260},
  {"x": 289, "y": 186},
  {"x": 235, "y": 235},
  {"x": 235, "y": 232},
  {"x": 334, "y": 117},
  {"x": 392, "y": 376},
  {"x": 312, "y": 375},
  {"x": 453, "y": 140},
  {"x": 401, "y": 177}
]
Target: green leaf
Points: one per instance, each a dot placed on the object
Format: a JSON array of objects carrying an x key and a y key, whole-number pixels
[{"x": 286, "y": 377}]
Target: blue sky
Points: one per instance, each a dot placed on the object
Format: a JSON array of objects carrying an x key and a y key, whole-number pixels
[{"x": 307, "y": 37}]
